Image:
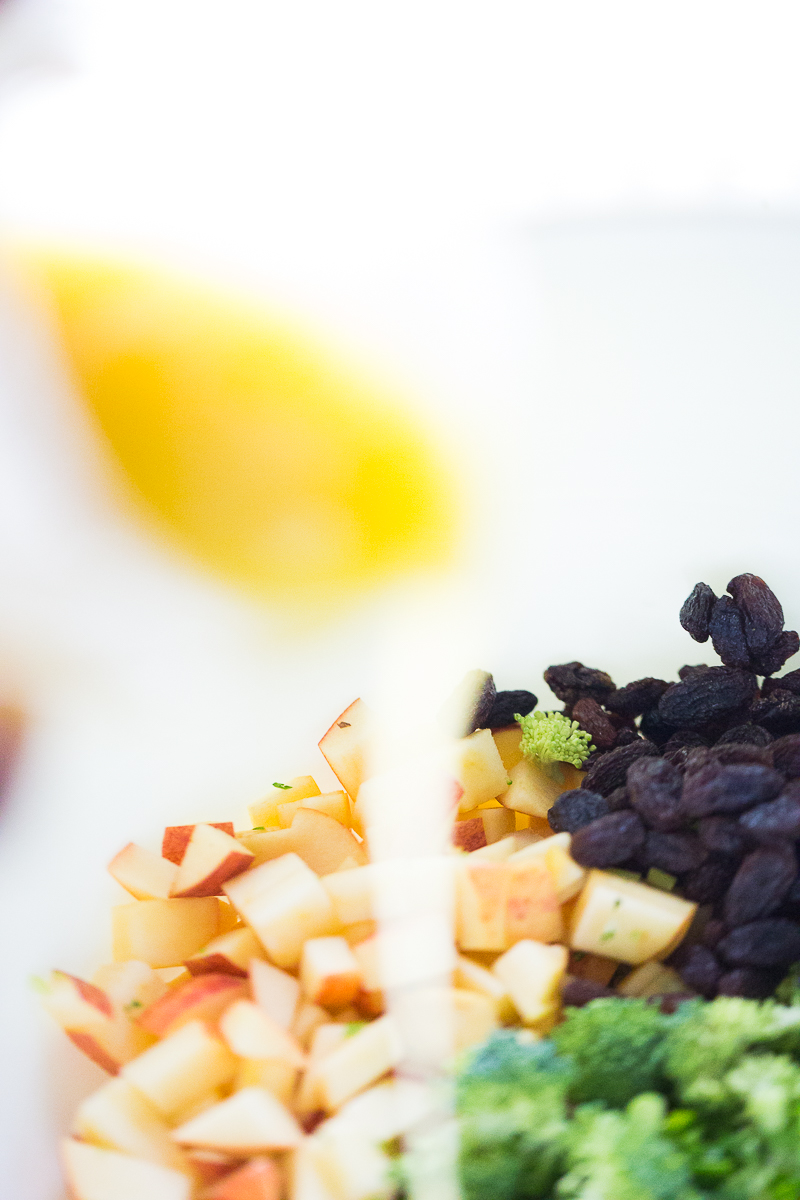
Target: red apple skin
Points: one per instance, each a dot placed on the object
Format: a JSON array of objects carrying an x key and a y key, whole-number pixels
[
  {"x": 203, "y": 998},
  {"x": 210, "y": 1165},
  {"x": 214, "y": 964},
  {"x": 90, "y": 993},
  {"x": 177, "y": 837},
  {"x": 259, "y": 1179},
  {"x": 234, "y": 864},
  {"x": 89, "y": 1046},
  {"x": 469, "y": 835}
]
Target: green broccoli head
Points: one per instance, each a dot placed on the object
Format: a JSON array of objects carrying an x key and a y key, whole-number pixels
[
  {"x": 617, "y": 1048},
  {"x": 624, "y": 1156},
  {"x": 511, "y": 1102},
  {"x": 553, "y": 738}
]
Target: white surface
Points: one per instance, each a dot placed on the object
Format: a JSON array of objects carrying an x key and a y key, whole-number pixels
[{"x": 628, "y": 388}]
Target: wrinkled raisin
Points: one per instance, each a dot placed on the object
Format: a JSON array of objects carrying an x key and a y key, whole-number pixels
[
  {"x": 779, "y": 712},
  {"x": 741, "y": 752},
  {"x": 722, "y": 835},
  {"x": 570, "y": 681},
  {"x": 506, "y": 704},
  {"x": 745, "y": 735},
  {"x": 696, "y": 611},
  {"x": 786, "y": 755},
  {"x": 748, "y": 983},
  {"x": 654, "y": 787},
  {"x": 708, "y": 883},
  {"x": 762, "y": 615},
  {"x": 717, "y": 692},
  {"x": 777, "y": 819},
  {"x": 590, "y": 716},
  {"x": 577, "y": 992},
  {"x": 610, "y": 771},
  {"x": 760, "y": 885},
  {"x": 625, "y": 737},
  {"x": 572, "y": 810},
  {"x": 771, "y": 660},
  {"x": 618, "y": 799},
  {"x": 689, "y": 671},
  {"x": 608, "y": 841},
  {"x": 673, "y": 852},
  {"x": 726, "y": 627},
  {"x": 790, "y": 682},
  {"x": 714, "y": 930},
  {"x": 685, "y": 739},
  {"x": 637, "y": 697},
  {"x": 771, "y": 943},
  {"x": 718, "y": 788},
  {"x": 699, "y": 970},
  {"x": 655, "y": 728}
]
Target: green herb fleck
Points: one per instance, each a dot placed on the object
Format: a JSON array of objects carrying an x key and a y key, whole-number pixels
[
  {"x": 134, "y": 1004},
  {"x": 287, "y": 787},
  {"x": 607, "y": 936},
  {"x": 660, "y": 879},
  {"x": 353, "y": 1027},
  {"x": 634, "y": 876},
  {"x": 258, "y": 829}
]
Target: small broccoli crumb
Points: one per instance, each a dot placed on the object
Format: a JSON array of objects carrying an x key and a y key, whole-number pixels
[{"x": 553, "y": 738}]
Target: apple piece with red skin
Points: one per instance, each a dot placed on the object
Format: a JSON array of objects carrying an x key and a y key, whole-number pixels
[
  {"x": 91, "y": 1021},
  {"x": 346, "y": 746},
  {"x": 229, "y": 954},
  {"x": 211, "y": 1165},
  {"x": 469, "y": 835},
  {"x": 203, "y": 998},
  {"x": 176, "y": 839},
  {"x": 259, "y": 1179},
  {"x": 212, "y": 856},
  {"x": 144, "y": 874},
  {"x": 329, "y": 972}
]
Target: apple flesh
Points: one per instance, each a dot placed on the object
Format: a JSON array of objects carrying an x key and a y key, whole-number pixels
[
  {"x": 358, "y": 1062},
  {"x": 258, "y": 1179},
  {"x": 210, "y": 859},
  {"x": 347, "y": 744},
  {"x": 182, "y": 1070},
  {"x": 177, "y": 837},
  {"x": 164, "y": 933},
  {"x": 91, "y": 1021},
  {"x": 230, "y": 954},
  {"x": 329, "y": 972},
  {"x": 131, "y": 986},
  {"x": 265, "y": 812},
  {"x": 628, "y": 921},
  {"x": 533, "y": 973},
  {"x": 276, "y": 991},
  {"x": 332, "y": 804},
  {"x": 97, "y": 1174},
  {"x": 248, "y": 1122},
  {"x": 118, "y": 1117},
  {"x": 144, "y": 874},
  {"x": 250, "y": 1033},
  {"x": 203, "y": 998}
]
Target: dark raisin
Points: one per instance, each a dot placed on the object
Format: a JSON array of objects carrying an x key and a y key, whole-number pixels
[
  {"x": 779, "y": 712},
  {"x": 696, "y": 611},
  {"x": 778, "y": 819},
  {"x": 714, "y": 693},
  {"x": 577, "y": 992},
  {"x": 762, "y": 615},
  {"x": 608, "y": 841},
  {"x": 760, "y": 885},
  {"x": 572, "y": 810},
  {"x": 723, "y": 835},
  {"x": 610, "y": 771},
  {"x": 670, "y": 1002},
  {"x": 719, "y": 788},
  {"x": 637, "y": 697},
  {"x": 570, "y": 681},
  {"x": 771, "y": 660},
  {"x": 726, "y": 627},
  {"x": 713, "y": 931},
  {"x": 741, "y": 752},
  {"x": 745, "y": 735},
  {"x": 699, "y": 970},
  {"x": 506, "y": 705},
  {"x": 625, "y": 737},
  {"x": 786, "y": 755},
  {"x": 748, "y": 983},
  {"x": 689, "y": 671},
  {"x": 673, "y": 852},
  {"x": 685, "y": 739},
  {"x": 618, "y": 800},
  {"x": 770, "y": 943},
  {"x": 655, "y": 728},
  {"x": 790, "y": 682},
  {"x": 794, "y": 893},
  {"x": 590, "y": 716},
  {"x": 654, "y": 788},
  {"x": 708, "y": 883}
]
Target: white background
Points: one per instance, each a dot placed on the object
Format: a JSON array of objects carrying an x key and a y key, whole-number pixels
[{"x": 569, "y": 228}]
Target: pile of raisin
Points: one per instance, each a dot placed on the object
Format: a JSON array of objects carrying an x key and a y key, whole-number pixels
[{"x": 700, "y": 779}]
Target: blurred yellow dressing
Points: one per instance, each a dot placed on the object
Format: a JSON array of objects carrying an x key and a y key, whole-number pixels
[{"x": 259, "y": 452}]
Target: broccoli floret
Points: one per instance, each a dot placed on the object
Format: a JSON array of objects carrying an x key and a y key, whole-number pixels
[
  {"x": 511, "y": 1103},
  {"x": 624, "y": 1156},
  {"x": 552, "y": 738},
  {"x": 705, "y": 1041},
  {"x": 617, "y": 1048}
]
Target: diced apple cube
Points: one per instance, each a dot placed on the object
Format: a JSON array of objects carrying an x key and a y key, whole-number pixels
[
  {"x": 202, "y": 998},
  {"x": 230, "y": 954},
  {"x": 498, "y": 823},
  {"x": 307, "y": 1019},
  {"x": 476, "y": 765},
  {"x": 305, "y": 1180},
  {"x": 628, "y": 921},
  {"x": 131, "y": 986},
  {"x": 210, "y": 859},
  {"x": 333, "y": 804},
  {"x": 91, "y": 1021},
  {"x": 533, "y": 908},
  {"x": 163, "y": 933},
  {"x": 469, "y": 835},
  {"x": 249, "y": 1121},
  {"x": 264, "y": 813},
  {"x": 508, "y": 742},
  {"x": 322, "y": 842},
  {"x": 651, "y": 979},
  {"x": 250, "y": 1033},
  {"x": 119, "y": 1117},
  {"x": 277, "y": 992},
  {"x": 471, "y": 976},
  {"x": 481, "y": 893},
  {"x": 329, "y": 972},
  {"x": 359, "y": 1061},
  {"x": 532, "y": 973},
  {"x": 259, "y": 1179},
  {"x": 179, "y": 1071},
  {"x": 284, "y": 904},
  {"x": 534, "y": 789},
  {"x": 352, "y": 893},
  {"x": 502, "y": 850},
  {"x": 144, "y": 874},
  {"x": 176, "y": 839},
  {"x": 350, "y": 1165},
  {"x": 347, "y": 746},
  {"x": 474, "y": 1017},
  {"x": 275, "y": 1074},
  {"x": 567, "y": 875},
  {"x": 96, "y": 1174}
]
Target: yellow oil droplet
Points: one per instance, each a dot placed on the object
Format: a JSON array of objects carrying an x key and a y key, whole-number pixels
[{"x": 255, "y": 448}]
